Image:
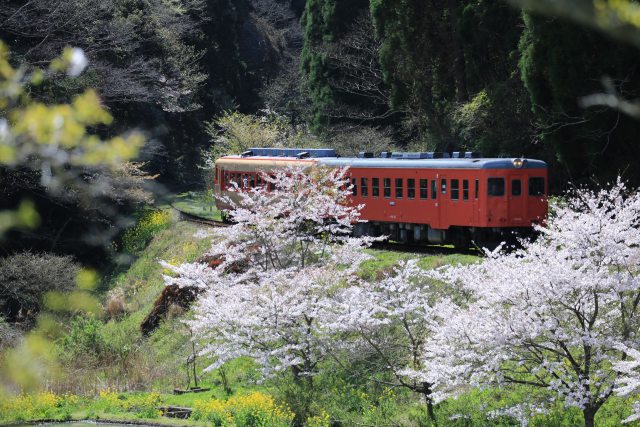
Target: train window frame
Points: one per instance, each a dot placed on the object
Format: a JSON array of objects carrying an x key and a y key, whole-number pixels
[
  {"x": 477, "y": 192},
  {"x": 252, "y": 180},
  {"x": 540, "y": 192},
  {"x": 434, "y": 189},
  {"x": 455, "y": 189},
  {"x": 375, "y": 187},
  {"x": 424, "y": 188},
  {"x": 386, "y": 187},
  {"x": 516, "y": 191},
  {"x": 399, "y": 187},
  {"x": 465, "y": 189},
  {"x": 411, "y": 188},
  {"x": 443, "y": 186},
  {"x": 354, "y": 186},
  {"x": 364, "y": 187},
  {"x": 493, "y": 190}
]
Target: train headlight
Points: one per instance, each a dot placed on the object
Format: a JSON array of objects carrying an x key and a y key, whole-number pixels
[{"x": 518, "y": 163}]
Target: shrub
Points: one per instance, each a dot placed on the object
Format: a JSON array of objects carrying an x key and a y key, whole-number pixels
[
  {"x": 25, "y": 278},
  {"x": 9, "y": 334},
  {"x": 115, "y": 306},
  {"x": 148, "y": 225},
  {"x": 84, "y": 341},
  {"x": 251, "y": 410},
  {"x": 144, "y": 405}
]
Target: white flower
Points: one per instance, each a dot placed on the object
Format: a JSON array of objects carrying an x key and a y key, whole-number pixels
[
  {"x": 4, "y": 129},
  {"x": 77, "y": 63}
]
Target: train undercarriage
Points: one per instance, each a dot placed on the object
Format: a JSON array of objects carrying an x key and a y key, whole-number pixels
[{"x": 460, "y": 237}]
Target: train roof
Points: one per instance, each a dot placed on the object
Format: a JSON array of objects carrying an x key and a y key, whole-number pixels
[
  {"x": 478, "y": 163},
  {"x": 401, "y": 163}
]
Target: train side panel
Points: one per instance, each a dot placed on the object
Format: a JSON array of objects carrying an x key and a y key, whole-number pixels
[{"x": 442, "y": 198}]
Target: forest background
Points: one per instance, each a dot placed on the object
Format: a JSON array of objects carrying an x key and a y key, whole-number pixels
[{"x": 356, "y": 75}]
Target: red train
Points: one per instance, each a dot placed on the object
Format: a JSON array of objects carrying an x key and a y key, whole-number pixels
[{"x": 434, "y": 198}]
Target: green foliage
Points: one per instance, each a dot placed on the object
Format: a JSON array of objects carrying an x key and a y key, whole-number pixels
[
  {"x": 85, "y": 340},
  {"x": 510, "y": 406},
  {"x": 234, "y": 133},
  {"x": 150, "y": 222},
  {"x": 368, "y": 403},
  {"x": 456, "y": 80},
  {"x": 560, "y": 63},
  {"x": 322, "y": 22},
  {"x": 143, "y": 405}
]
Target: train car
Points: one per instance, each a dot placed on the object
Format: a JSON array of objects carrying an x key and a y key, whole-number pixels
[{"x": 435, "y": 198}]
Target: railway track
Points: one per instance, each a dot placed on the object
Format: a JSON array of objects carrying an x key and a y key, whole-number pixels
[{"x": 198, "y": 220}]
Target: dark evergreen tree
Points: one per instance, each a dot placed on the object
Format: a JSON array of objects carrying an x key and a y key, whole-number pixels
[
  {"x": 323, "y": 22},
  {"x": 561, "y": 63}
]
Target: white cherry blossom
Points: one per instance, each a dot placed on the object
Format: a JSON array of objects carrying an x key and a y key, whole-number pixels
[{"x": 553, "y": 314}]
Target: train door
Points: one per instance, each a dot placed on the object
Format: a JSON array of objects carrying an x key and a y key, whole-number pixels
[
  {"x": 443, "y": 201},
  {"x": 516, "y": 200},
  {"x": 475, "y": 200}
]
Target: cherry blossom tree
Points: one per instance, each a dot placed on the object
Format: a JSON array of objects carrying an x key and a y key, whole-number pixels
[
  {"x": 552, "y": 315},
  {"x": 284, "y": 258},
  {"x": 391, "y": 318}
]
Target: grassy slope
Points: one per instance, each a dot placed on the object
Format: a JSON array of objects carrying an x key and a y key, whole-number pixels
[
  {"x": 153, "y": 362},
  {"x": 159, "y": 361}
]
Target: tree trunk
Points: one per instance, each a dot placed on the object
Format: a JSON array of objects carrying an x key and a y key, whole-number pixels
[
  {"x": 427, "y": 395},
  {"x": 302, "y": 401},
  {"x": 589, "y": 416}
]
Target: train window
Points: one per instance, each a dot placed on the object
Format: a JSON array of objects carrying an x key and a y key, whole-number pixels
[
  {"x": 465, "y": 189},
  {"x": 364, "y": 187},
  {"x": 536, "y": 186},
  {"x": 434, "y": 189},
  {"x": 399, "y": 188},
  {"x": 245, "y": 181},
  {"x": 495, "y": 187},
  {"x": 225, "y": 183},
  {"x": 443, "y": 186},
  {"x": 424, "y": 188},
  {"x": 455, "y": 189},
  {"x": 272, "y": 185},
  {"x": 375, "y": 187},
  {"x": 252, "y": 180},
  {"x": 477, "y": 188},
  {"x": 516, "y": 187},
  {"x": 387, "y": 187},
  {"x": 411, "y": 188},
  {"x": 259, "y": 180},
  {"x": 354, "y": 185}
]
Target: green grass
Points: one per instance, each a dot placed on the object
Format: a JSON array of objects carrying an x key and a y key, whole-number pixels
[
  {"x": 384, "y": 261},
  {"x": 199, "y": 204}
]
